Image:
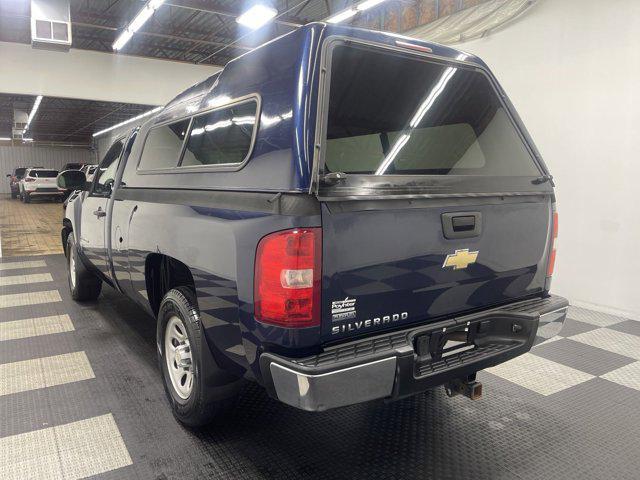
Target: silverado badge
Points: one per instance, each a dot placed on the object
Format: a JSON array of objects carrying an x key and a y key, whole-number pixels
[{"x": 460, "y": 259}]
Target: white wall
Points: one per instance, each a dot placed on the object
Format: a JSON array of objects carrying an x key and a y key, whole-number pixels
[
  {"x": 572, "y": 69},
  {"x": 94, "y": 75},
  {"x": 12, "y": 157}
]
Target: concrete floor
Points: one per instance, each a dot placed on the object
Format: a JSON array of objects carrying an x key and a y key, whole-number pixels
[
  {"x": 30, "y": 228},
  {"x": 81, "y": 396}
]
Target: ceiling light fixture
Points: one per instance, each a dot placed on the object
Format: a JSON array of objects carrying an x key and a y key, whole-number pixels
[
  {"x": 350, "y": 12},
  {"x": 5, "y": 139},
  {"x": 257, "y": 16},
  {"x": 136, "y": 24},
  {"x": 142, "y": 115},
  {"x": 34, "y": 109}
]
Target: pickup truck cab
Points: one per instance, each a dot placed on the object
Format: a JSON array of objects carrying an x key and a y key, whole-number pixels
[{"x": 340, "y": 215}]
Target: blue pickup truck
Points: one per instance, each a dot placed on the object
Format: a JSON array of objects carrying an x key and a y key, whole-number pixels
[{"x": 340, "y": 215}]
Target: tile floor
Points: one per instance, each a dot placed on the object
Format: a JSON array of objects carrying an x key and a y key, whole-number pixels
[
  {"x": 30, "y": 228},
  {"x": 81, "y": 396}
]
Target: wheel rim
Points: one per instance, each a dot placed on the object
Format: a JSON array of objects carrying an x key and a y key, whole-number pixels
[
  {"x": 177, "y": 352},
  {"x": 72, "y": 268}
]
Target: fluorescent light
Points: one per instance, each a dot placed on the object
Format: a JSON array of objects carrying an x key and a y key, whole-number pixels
[
  {"x": 34, "y": 109},
  {"x": 342, "y": 16},
  {"x": 136, "y": 24},
  {"x": 257, "y": 16},
  {"x": 431, "y": 98},
  {"x": 27, "y": 139},
  {"x": 219, "y": 100},
  {"x": 5, "y": 139},
  {"x": 140, "y": 19},
  {"x": 367, "y": 4},
  {"x": 138, "y": 117},
  {"x": 122, "y": 40},
  {"x": 393, "y": 153},
  {"x": 350, "y": 12}
]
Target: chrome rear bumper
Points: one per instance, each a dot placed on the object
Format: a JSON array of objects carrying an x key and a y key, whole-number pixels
[
  {"x": 346, "y": 386},
  {"x": 403, "y": 363}
]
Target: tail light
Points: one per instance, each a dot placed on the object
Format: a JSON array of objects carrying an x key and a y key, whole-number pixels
[
  {"x": 287, "y": 278},
  {"x": 554, "y": 233},
  {"x": 29, "y": 179}
]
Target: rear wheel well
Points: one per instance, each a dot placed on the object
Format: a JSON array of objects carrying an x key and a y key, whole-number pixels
[{"x": 162, "y": 273}]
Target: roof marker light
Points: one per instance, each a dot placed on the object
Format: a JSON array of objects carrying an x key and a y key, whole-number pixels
[
  {"x": 413, "y": 46},
  {"x": 257, "y": 16}
]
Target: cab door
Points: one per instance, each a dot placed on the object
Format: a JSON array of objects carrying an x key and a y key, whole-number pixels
[{"x": 94, "y": 209}]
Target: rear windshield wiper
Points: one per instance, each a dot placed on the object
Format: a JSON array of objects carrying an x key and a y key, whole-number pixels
[{"x": 334, "y": 177}]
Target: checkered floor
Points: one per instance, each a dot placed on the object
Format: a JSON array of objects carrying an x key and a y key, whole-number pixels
[
  {"x": 81, "y": 396},
  {"x": 591, "y": 345}
]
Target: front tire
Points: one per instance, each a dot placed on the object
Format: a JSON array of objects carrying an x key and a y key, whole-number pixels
[
  {"x": 196, "y": 387},
  {"x": 26, "y": 198},
  {"x": 14, "y": 195},
  {"x": 83, "y": 284}
]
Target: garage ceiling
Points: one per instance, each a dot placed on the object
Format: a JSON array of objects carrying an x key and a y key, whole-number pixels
[
  {"x": 65, "y": 120},
  {"x": 194, "y": 31},
  {"x": 205, "y": 31}
]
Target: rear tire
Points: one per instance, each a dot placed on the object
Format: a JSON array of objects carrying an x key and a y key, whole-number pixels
[
  {"x": 14, "y": 195},
  {"x": 83, "y": 284},
  {"x": 26, "y": 197},
  {"x": 196, "y": 387}
]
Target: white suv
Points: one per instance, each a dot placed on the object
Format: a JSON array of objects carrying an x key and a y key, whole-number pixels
[{"x": 40, "y": 182}]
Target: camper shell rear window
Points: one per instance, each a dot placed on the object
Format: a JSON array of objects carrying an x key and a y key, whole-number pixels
[{"x": 391, "y": 113}]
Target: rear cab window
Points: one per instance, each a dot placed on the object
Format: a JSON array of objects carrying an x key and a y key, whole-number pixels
[{"x": 393, "y": 117}]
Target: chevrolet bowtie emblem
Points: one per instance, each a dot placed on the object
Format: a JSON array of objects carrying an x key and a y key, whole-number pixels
[{"x": 460, "y": 259}]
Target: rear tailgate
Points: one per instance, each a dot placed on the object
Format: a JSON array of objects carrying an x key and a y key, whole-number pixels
[
  {"x": 393, "y": 266},
  {"x": 434, "y": 202}
]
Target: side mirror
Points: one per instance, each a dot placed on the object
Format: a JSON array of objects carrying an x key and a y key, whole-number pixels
[{"x": 72, "y": 180}]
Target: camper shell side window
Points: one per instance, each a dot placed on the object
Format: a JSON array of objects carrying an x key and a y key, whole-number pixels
[{"x": 220, "y": 138}]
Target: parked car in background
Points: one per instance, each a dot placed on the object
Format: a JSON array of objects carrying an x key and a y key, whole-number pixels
[
  {"x": 72, "y": 166},
  {"x": 14, "y": 180},
  {"x": 340, "y": 215},
  {"x": 40, "y": 182}
]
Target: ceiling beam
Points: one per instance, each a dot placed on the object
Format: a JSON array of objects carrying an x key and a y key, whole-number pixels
[{"x": 162, "y": 35}]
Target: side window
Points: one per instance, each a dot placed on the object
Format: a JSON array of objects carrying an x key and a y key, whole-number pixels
[
  {"x": 163, "y": 146},
  {"x": 106, "y": 172},
  {"x": 222, "y": 136}
]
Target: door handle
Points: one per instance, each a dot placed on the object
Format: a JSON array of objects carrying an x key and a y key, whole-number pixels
[
  {"x": 100, "y": 213},
  {"x": 461, "y": 224}
]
